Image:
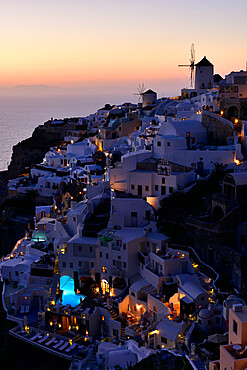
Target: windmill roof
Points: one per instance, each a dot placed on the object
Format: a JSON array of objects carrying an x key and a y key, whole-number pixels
[
  {"x": 149, "y": 92},
  {"x": 204, "y": 63}
]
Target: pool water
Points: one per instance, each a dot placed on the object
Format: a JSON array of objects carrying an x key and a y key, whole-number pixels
[{"x": 69, "y": 295}]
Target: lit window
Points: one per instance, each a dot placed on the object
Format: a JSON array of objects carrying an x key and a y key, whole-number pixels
[{"x": 104, "y": 269}]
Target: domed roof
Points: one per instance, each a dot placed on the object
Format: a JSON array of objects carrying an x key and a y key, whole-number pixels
[{"x": 204, "y": 313}]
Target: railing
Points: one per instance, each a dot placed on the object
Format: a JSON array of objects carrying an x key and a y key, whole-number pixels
[{"x": 118, "y": 272}]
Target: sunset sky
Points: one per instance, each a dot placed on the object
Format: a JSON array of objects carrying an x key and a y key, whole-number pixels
[{"x": 118, "y": 42}]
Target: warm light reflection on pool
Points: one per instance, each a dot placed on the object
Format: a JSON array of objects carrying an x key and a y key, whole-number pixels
[{"x": 69, "y": 295}]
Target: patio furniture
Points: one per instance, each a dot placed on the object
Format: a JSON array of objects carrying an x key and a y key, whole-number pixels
[
  {"x": 58, "y": 344},
  {"x": 71, "y": 347},
  {"x": 38, "y": 335},
  {"x": 42, "y": 339},
  {"x": 52, "y": 340},
  {"x": 63, "y": 346}
]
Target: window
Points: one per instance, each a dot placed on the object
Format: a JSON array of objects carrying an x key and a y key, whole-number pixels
[
  {"x": 80, "y": 263},
  {"x": 17, "y": 273},
  {"x": 156, "y": 187},
  {"x": 235, "y": 327},
  {"x": 80, "y": 248},
  {"x": 146, "y": 188},
  {"x": 92, "y": 264},
  {"x": 158, "y": 143},
  {"x": 132, "y": 187},
  {"x": 107, "y": 256},
  {"x": 71, "y": 265},
  {"x": 100, "y": 254},
  {"x": 104, "y": 269},
  {"x": 193, "y": 140},
  {"x": 113, "y": 262},
  {"x": 163, "y": 190},
  {"x": 163, "y": 180},
  {"x": 119, "y": 257},
  {"x": 91, "y": 249},
  {"x": 64, "y": 264},
  {"x": 124, "y": 265},
  {"x": 163, "y": 340},
  {"x": 148, "y": 215},
  {"x": 170, "y": 189},
  {"x": 155, "y": 309},
  {"x": 168, "y": 143},
  {"x": 74, "y": 219},
  {"x": 124, "y": 246},
  {"x": 133, "y": 294}
]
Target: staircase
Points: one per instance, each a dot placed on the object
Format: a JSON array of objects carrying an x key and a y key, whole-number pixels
[
  {"x": 42, "y": 323},
  {"x": 7, "y": 302},
  {"x": 56, "y": 266},
  {"x": 54, "y": 287},
  {"x": 199, "y": 275},
  {"x": 113, "y": 312},
  {"x": 198, "y": 364},
  {"x": 115, "y": 316},
  {"x": 122, "y": 332}
]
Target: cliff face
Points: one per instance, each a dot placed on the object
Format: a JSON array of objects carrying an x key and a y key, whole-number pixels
[
  {"x": 17, "y": 213},
  {"x": 33, "y": 149}
]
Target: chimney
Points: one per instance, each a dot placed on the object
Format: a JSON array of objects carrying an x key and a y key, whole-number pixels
[{"x": 237, "y": 307}]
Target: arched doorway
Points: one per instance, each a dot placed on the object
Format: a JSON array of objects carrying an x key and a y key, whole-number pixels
[
  {"x": 232, "y": 112},
  {"x": 105, "y": 286},
  {"x": 218, "y": 213}
]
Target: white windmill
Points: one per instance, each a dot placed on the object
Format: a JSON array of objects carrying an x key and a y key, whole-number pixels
[{"x": 141, "y": 90}]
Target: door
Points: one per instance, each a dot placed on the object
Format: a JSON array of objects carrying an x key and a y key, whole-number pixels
[
  {"x": 134, "y": 219},
  {"x": 139, "y": 189}
]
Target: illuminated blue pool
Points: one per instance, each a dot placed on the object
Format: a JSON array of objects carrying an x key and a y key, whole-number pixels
[{"x": 69, "y": 295}]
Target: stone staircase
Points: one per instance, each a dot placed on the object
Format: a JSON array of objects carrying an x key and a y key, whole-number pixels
[
  {"x": 115, "y": 316},
  {"x": 199, "y": 275},
  {"x": 56, "y": 267},
  {"x": 198, "y": 364},
  {"x": 7, "y": 302},
  {"x": 54, "y": 287}
]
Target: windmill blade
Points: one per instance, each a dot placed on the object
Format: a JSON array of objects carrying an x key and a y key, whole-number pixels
[
  {"x": 192, "y": 56},
  {"x": 191, "y": 76},
  {"x": 141, "y": 88}
]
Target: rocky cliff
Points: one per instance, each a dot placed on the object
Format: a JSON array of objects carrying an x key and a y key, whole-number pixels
[
  {"x": 33, "y": 149},
  {"x": 17, "y": 213}
]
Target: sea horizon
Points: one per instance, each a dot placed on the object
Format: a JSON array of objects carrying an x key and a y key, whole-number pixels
[{"x": 20, "y": 115}]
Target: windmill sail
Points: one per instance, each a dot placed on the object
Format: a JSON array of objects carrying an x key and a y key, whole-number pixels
[{"x": 191, "y": 65}]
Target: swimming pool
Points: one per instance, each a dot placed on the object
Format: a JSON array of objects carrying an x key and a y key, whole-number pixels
[{"x": 69, "y": 295}]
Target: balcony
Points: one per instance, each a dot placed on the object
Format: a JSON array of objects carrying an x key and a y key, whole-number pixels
[{"x": 118, "y": 272}]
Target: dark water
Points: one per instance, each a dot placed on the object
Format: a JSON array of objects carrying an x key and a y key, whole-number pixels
[{"x": 20, "y": 115}]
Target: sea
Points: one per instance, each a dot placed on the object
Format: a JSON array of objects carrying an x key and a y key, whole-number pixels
[{"x": 19, "y": 115}]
